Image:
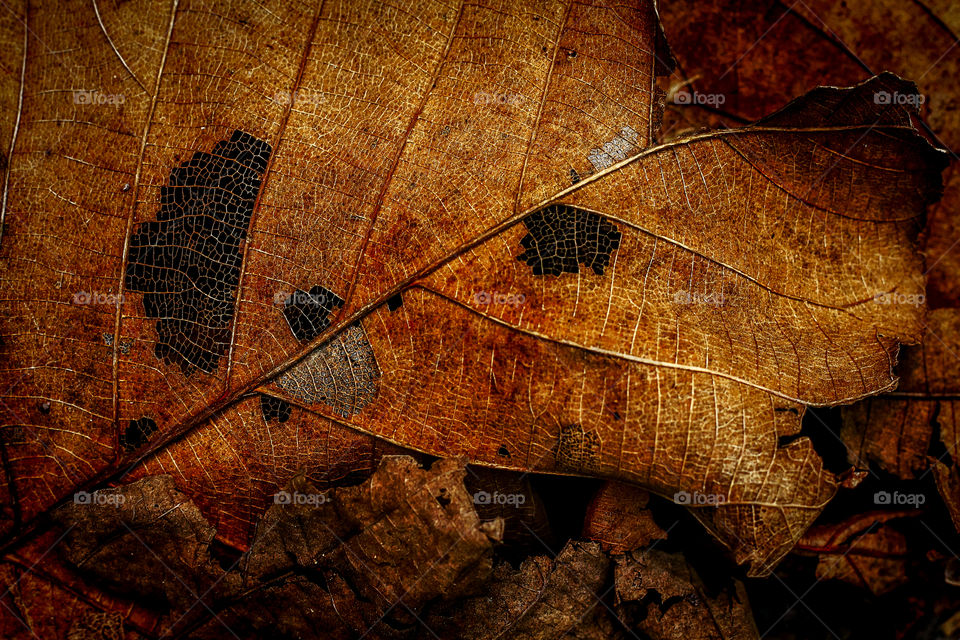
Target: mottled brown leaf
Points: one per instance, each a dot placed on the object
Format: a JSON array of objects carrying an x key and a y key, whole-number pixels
[
  {"x": 864, "y": 550},
  {"x": 678, "y": 605},
  {"x": 544, "y": 599},
  {"x": 443, "y": 226},
  {"x": 350, "y": 560}
]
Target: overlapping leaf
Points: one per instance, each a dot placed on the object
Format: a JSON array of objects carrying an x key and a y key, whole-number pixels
[{"x": 327, "y": 204}]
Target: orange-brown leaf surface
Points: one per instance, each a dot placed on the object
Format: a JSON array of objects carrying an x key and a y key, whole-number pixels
[{"x": 245, "y": 243}]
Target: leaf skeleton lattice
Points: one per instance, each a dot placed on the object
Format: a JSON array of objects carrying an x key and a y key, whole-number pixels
[{"x": 187, "y": 262}]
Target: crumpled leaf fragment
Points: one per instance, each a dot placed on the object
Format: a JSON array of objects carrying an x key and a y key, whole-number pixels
[
  {"x": 545, "y": 598},
  {"x": 349, "y": 560},
  {"x": 508, "y": 495},
  {"x": 145, "y": 538},
  {"x": 668, "y": 599}
]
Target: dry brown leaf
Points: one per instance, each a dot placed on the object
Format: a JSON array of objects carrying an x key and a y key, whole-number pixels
[
  {"x": 542, "y": 600},
  {"x": 350, "y": 560},
  {"x": 678, "y": 606},
  {"x": 838, "y": 43},
  {"x": 232, "y": 469},
  {"x": 649, "y": 411},
  {"x": 618, "y": 518},
  {"x": 328, "y": 205},
  {"x": 726, "y": 50},
  {"x": 916, "y": 427},
  {"x": 863, "y": 550}
]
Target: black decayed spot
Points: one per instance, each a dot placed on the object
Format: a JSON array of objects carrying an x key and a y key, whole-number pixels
[
  {"x": 274, "y": 408},
  {"x": 562, "y": 238},
  {"x": 187, "y": 262},
  {"x": 307, "y": 312},
  {"x": 395, "y": 302},
  {"x": 138, "y": 433}
]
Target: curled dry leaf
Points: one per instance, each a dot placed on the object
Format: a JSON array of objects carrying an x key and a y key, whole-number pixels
[{"x": 338, "y": 207}]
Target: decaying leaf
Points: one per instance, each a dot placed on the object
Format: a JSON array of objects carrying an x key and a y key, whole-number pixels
[
  {"x": 916, "y": 428},
  {"x": 37, "y": 604},
  {"x": 233, "y": 469},
  {"x": 864, "y": 551},
  {"x": 815, "y": 43},
  {"x": 545, "y": 598},
  {"x": 739, "y": 386},
  {"x": 618, "y": 518},
  {"x": 251, "y": 251},
  {"x": 676, "y": 603},
  {"x": 726, "y": 50},
  {"x": 350, "y": 560}
]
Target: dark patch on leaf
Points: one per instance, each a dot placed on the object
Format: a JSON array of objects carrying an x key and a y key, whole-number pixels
[
  {"x": 187, "y": 262},
  {"x": 138, "y": 433},
  {"x": 308, "y": 312},
  {"x": 395, "y": 302},
  {"x": 562, "y": 238},
  {"x": 503, "y": 451},
  {"x": 578, "y": 450},
  {"x": 574, "y": 176},
  {"x": 274, "y": 408}
]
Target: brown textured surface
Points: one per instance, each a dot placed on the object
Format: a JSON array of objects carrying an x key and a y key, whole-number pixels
[
  {"x": 407, "y": 166},
  {"x": 916, "y": 427},
  {"x": 759, "y": 54},
  {"x": 864, "y": 550},
  {"x": 618, "y": 518}
]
